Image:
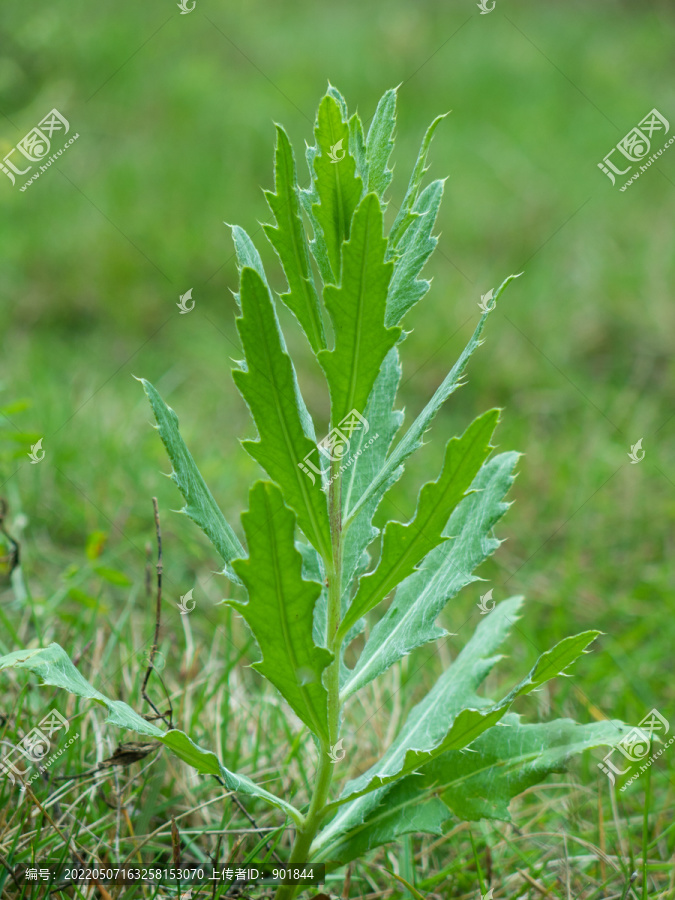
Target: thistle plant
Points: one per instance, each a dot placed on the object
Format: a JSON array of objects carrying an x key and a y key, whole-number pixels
[{"x": 313, "y": 572}]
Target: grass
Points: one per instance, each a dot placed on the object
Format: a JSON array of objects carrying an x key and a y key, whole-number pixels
[{"x": 174, "y": 139}]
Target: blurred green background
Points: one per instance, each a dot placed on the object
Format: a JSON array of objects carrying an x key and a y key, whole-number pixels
[{"x": 175, "y": 119}]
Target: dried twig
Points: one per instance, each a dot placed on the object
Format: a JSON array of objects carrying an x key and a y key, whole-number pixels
[{"x": 166, "y": 717}]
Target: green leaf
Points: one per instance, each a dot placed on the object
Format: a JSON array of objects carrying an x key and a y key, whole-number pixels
[
  {"x": 338, "y": 187},
  {"x": 412, "y": 439},
  {"x": 357, "y": 147},
  {"x": 405, "y": 545},
  {"x": 507, "y": 760},
  {"x": 270, "y": 389},
  {"x": 380, "y": 143},
  {"x": 410, "y": 620},
  {"x": 357, "y": 311},
  {"x": 290, "y": 242},
  {"x": 405, "y": 215},
  {"x": 53, "y": 666},
  {"x": 414, "y": 249},
  {"x": 199, "y": 503},
  {"x": 397, "y": 811},
  {"x": 455, "y": 689},
  {"x": 503, "y": 762},
  {"x": 368, "y": 450},
  {"x": 280, "y": 608},
  {"x": 430, "y": 731}
]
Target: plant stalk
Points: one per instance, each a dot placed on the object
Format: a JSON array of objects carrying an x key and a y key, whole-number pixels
[{"x": 317, "y": 808}]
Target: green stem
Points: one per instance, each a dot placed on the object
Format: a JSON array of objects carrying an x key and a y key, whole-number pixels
[{"x": 306, "y": 833}]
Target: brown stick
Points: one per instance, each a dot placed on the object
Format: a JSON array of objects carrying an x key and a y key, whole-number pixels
[{"x": 158, "y": 613}]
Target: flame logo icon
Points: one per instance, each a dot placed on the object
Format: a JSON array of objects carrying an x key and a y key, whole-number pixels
[
  {"x": 635, "y": 452},
  {"x": 184, "y": 8},
  {"x": 484, "y": 603},
  {"x": 336, "y": 152},
  {"x": 484, "y": 10},
  {"x": 485, "y": 306},
  {"x": 336, "y": 752},
  {"x": 37, "y": 454},
  {"x": 182, "y": 305},
  {"x": 183, "y": 605}
]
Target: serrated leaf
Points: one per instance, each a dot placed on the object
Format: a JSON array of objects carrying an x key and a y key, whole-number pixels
[
  {"x": 509, "y": 759},
  {"x": 357, "y": 147},
  {"x": 399, "y": 810},
  {"x": 368, "y": 450},
  {"x": 405, "y": 215},
  {"x": 455, "y": 689},
  {"x": 380, "y": 143},
  {"x": 410, "y": 620},
  {"x": 405, "y": 545},
  {"x": 270, "y": 389},
  {"x": 429, "y": 731},
  {"x": 505, "y": 761},
  {"x": 338, "y": 187},
  {"x": 280, "y": 607},
  {"x": 412, "y": 439},
  {"x": 357, "y": 310},
  {"x": 290, "y": 242},
  {"x": 414, "y": 249},
  {"x": 53, "y": 666},
  {"x": 199, "y": 503}
]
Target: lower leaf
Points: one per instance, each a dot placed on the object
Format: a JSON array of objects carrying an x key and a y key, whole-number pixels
[{"x": 53, "y": 665}]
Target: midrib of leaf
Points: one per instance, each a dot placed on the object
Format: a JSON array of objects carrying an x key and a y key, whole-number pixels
[
  {"x": 289, "y": 446},
  {"x": 274, "y": 549},
  {"x": 340, "y": 210},
  {"x": 359, "y": 328}
]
